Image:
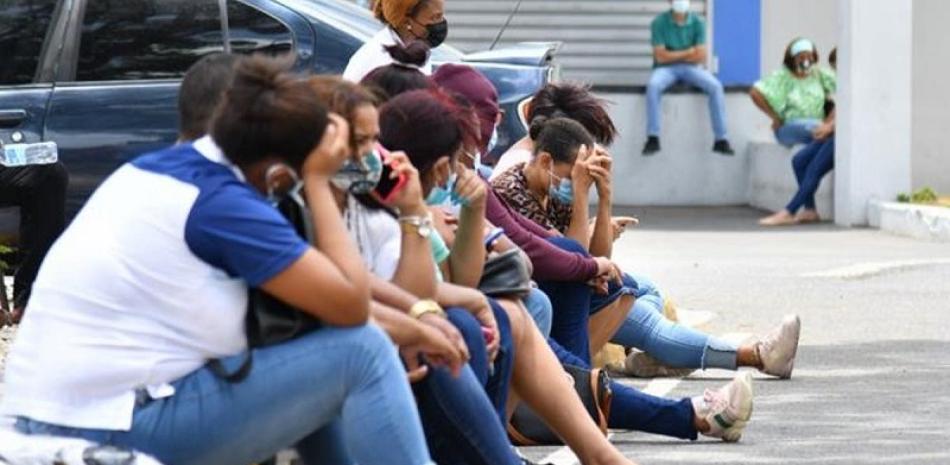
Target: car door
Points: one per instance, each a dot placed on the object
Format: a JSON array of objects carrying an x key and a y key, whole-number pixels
[
  {"x": 118, "y": 98},
  {"x": 24, "y": 85},
  {"x": 30, "y": 33}
]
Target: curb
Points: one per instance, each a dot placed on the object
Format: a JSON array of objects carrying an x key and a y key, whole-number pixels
[{"x": 924, "y": 222}]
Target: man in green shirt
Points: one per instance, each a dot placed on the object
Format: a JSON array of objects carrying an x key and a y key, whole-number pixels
[{"x": 679, "y": 48}]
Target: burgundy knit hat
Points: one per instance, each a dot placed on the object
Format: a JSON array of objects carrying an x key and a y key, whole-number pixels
[{"x": 477, "y": 89}]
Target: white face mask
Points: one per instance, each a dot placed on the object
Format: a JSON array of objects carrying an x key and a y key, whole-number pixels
[{"x": 681, "y": 6}]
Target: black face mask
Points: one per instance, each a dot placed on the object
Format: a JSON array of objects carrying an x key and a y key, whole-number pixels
[{"x": 436, "y": 33}]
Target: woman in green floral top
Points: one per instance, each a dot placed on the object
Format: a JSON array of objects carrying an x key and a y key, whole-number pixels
[{"x": 794, "y": 96}]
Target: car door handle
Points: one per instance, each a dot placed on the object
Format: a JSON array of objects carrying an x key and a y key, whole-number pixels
[{"x": 11, "y": 118}]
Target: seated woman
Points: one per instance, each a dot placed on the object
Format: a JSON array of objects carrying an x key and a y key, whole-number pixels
[
  {"x": 428, "y": 127},
  {"x": 543, "y": 190},
  {"x": 182, "y": 262},
  {"x": 794, "y": 96},
  {"x": 446, "y": 177},
  {"x": 459, "y": 418},
  {"x": 810, "y": 164}
]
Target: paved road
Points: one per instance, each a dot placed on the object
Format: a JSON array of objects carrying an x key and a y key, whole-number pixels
[{"x": 871, "y": 381}]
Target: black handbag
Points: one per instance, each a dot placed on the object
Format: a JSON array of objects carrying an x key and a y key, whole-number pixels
[
  {"x": 270, "y": 321},
  {"x": 506, "y": 275},
  {"x": 526, "y": 428}
]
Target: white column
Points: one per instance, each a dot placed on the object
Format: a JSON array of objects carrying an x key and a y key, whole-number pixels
[{"x": 873, "y": 148}]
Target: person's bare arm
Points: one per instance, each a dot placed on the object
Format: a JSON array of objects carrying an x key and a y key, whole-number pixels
[
  {"x": 416, "y": 338},
  {"x": 763, "y": 104},
  {"x": 698, "y": 56},
  {"x": 415, "y": 271},
  {"x": 333, "y": 270},
  {"x": 451, "y": 295},
  {"x": 467, "y": 260},
  {"x": 602, "y": 237},
  {"x": 664, "y": 56},
  {"x": 579, "y": 228}
]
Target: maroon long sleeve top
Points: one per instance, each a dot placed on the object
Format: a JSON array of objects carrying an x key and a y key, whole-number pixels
[{"x": 551, "y": 263}]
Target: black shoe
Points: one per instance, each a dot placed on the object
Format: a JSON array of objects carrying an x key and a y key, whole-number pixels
[
  {"x": 722, "y": 146},
  {"x": 652, "y": 146}
]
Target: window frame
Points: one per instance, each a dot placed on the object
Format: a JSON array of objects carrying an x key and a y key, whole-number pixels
[
  {"x": 66, "y": 75},
  {"x": 48, "y": 58}
]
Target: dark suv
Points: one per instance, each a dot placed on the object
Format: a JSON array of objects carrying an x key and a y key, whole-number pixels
[{"x": 100, "y": 77}]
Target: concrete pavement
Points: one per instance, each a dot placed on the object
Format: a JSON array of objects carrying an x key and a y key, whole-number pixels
[{"x": 870, "y": 385}]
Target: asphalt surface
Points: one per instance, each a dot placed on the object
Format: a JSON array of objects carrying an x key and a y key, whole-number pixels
[{"x": 872, "y": 379}]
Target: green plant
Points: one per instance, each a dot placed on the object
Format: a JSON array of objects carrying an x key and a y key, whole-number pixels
[{"x": 924, "y": 195}]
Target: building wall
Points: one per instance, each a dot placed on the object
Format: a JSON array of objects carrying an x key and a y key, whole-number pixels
[
  {"x": 930, "y": 164},
  {"x": 783, "y": 20}
]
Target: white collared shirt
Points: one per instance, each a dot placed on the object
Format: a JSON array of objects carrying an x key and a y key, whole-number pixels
[{"x": 373, "y": 54}]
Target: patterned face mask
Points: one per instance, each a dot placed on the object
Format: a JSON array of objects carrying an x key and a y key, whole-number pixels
[{"x": 359, "y": 177}]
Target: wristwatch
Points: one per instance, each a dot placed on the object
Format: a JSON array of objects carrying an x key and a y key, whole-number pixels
[
  {"x": 425, "y": 306},
  {"x": 418, "y": 224}
]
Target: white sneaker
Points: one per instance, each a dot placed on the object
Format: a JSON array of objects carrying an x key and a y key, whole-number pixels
[
  {"x": 728, "y": 409},
  {"x": 778, "y": 348}
]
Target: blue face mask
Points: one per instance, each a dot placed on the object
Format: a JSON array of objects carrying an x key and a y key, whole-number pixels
[
  {"x": 439, "y": 195},
  {"x": 493, "y": 142},
  {"x": 484, "y": 171},
  {"x": 563, "y": 192}
]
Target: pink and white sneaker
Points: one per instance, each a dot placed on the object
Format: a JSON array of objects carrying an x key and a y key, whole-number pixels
[
  {"x": 778, "y": 348},
  {"x": 728, "y": 409}
]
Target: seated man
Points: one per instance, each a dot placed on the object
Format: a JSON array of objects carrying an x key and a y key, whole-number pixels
[
  {"x": 679, "y": 49},
  {"x": 40, "y": 193}
]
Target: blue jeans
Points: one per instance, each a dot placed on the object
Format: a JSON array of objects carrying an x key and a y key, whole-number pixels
[
  {"x": 796, "y": 131},
  {"x": 811, "y": 164},
  {"x": 462, "y": 423},
  {"x": 293, "y": 390},
  {"x": 663, "y": 77},
  {"x": 571, "y": 302},
  {"x": 539, "y": 307},
  {"x": 645, "y": 326},
  {"x": 495, "y": 377},
  {"x": 631, "y": 409},
  {"x": 647, "y": 329}
]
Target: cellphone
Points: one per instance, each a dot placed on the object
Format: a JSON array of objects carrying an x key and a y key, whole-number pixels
[{"x": 387, "y": 187}]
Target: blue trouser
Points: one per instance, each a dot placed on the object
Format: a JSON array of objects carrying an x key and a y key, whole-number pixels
[
  {"x": 631, "y": 409},
  {"x": 811, "y": 164},
  {"x": 456, "y": 412},
  {"x": 663, "y": 77},
  {"x": 541, "y": 310},
  {"x": 293, "y": 390},
  {"x": 645, "y": 326},
  {"x": 797, "y": 131}
]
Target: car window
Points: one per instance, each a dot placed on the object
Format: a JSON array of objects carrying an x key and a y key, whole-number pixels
[
  {"x": 146, "y": 39},
  {"x": 253, "y": 31},
  {"x": 23, "y": 26}
]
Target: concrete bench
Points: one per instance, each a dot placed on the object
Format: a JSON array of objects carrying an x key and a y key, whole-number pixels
[{"x": 772, "y": 181}]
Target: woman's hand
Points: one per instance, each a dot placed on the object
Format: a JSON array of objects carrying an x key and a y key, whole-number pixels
[
  {"x": 608, "y": 270},
  {"x": 599, "y": 168},
  {"x": 619, "y": 224},
  {"x": 436, "y": 348},
  {"x": 409, "y": 199},
  {"x": 477, "y": 304},
  {"x": 823, "y": 131},
  {"x": 469, "y": 187},
  {"x": 329, "y": 155},
  {"x": 580, "y": 173}
]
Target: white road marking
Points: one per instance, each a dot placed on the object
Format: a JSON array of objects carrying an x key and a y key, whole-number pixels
[
  {"x": 867, "y": 270},
  {"x": 658, "y": 387}
]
